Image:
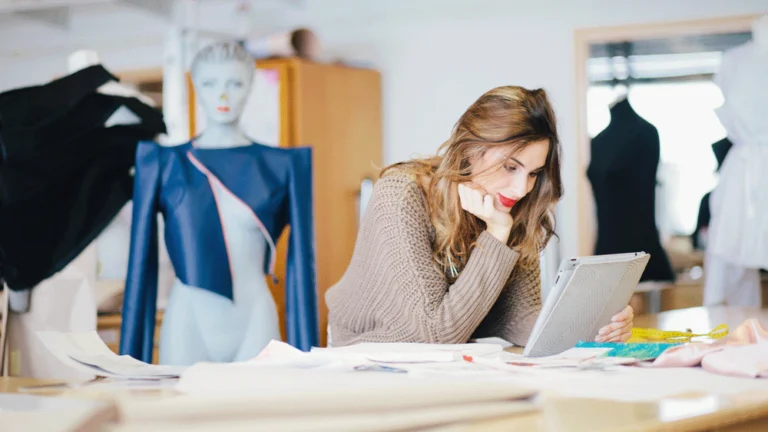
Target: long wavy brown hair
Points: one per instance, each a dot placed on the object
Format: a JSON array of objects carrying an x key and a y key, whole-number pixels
[{"x": 508, "y": 116}]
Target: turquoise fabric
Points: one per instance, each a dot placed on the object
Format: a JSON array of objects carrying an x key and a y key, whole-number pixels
[{"x": 640, "y": 351}]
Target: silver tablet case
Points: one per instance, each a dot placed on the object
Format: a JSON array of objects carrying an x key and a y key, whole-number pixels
[{"x": 588, "y": 292}]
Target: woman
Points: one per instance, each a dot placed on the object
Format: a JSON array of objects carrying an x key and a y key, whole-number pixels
[{"x": 448, "y": 248}]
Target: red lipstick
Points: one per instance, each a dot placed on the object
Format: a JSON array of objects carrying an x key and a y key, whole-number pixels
[
  {"x": 507, "y": 202},
  {"x": 223, "y": 109}
]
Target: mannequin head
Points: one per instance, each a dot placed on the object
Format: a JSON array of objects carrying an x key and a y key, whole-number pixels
[
  {"x": 222, "y": 74},
  {"x": 760, "y": 31}
]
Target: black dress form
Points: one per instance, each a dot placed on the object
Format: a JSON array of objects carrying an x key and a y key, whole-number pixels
[
  {"x": 624, "y": 160},
  {"x": 64, "y": 174},
  {"x": 720, "y": 149},
  {"x": 702, "y": 221}
]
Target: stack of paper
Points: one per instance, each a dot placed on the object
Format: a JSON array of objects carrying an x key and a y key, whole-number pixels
[
  {"x": 324, "y": 368},
  {"x": 288, "y": 388},
  {"x": 579, "y": 372},
  {"x": 240, "y": 418},
  {"x": 326, "y": 390},
  {"x": 87, "y": 352},
  {"x": 352, "y": 357},
  {"x": 245, "y": 396}
]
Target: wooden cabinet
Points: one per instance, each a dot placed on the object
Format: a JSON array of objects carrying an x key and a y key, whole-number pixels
[{"x": 337, "y": 111}]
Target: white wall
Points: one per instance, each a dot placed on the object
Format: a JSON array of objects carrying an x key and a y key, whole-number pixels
[
  {"x": 436, "y": 56},
  {"x": 32, "y": 51},
  {"x": 435, "y": 67}
]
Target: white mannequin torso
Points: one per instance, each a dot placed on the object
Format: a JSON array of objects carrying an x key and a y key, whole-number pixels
[
  {"x": 202, "y": 326},
  {"x": 737, "y": 244},
  {"x": 199, "y": 325}
]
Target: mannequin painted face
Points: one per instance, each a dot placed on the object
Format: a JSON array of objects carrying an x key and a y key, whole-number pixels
[{"x": 223, "y": 88}]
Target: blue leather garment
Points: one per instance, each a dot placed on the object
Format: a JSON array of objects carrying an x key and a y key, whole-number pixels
[{"x": 276, "y": 183}]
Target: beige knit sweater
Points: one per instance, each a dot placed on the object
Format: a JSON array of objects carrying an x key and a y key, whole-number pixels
[{"x": 394, "y": 292}]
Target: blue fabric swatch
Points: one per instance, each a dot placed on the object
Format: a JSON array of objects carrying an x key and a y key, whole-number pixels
[{"x": 640, "y": 351}]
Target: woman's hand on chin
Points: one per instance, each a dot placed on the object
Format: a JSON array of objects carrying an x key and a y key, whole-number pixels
[{"x": 480, "y": 204}]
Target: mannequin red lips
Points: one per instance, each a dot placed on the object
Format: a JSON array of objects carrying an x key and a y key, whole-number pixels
[
  {"x": 223, "y": 109},
  {"x": 507, "y": 202}
]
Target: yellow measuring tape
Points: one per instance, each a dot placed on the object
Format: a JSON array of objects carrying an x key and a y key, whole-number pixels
[{"x": 656, "y": 335}]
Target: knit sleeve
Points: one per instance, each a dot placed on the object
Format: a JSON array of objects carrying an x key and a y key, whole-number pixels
[
  {"x": 514, "y": 314},
  {"x": 418, "y": 304}
]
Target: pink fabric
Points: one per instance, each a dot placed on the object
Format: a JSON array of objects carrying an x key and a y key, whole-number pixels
[{"x": 743, "y": 353}]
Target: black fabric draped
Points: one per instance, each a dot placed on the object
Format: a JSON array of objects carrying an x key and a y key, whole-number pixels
[{"x": 64, "y": 175}]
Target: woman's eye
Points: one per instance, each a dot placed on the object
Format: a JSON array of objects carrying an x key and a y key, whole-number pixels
[
  {"x": 534, "y": 174},
  {"x": 510, "y": 168},
  {"x": 207, "y": 83}
]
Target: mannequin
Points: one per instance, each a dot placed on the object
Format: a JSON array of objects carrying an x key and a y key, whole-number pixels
[
  {"x": 65, "y": 172},
  {"x": 622, "y": 170},
  {"x": 699, "y": 236},
  {"x": 225, "y": 200},
  {"x": 223, "y": 87},
  {"x": 111, "y": 245},
  {"x": 66, "y": 301},
  {"x": 738, "y": 232}
]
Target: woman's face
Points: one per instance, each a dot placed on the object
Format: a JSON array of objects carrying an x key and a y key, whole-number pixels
[{"x": 509, "y": 178}]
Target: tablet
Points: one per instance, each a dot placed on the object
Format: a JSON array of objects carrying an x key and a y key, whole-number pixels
[{"x": 587, "y": 293}]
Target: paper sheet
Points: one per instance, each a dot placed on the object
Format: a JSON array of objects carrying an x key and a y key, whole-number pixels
[
  {"x": 278, "y": 353},
  {"x": 279, "y": 390},
  {"x": 573, "y": 358},
  {"x": 418, "y": 357},
  {"x": 87, "y": 352},
  {"x": 409, "y": 352},
  {"x": 473, "y": 349},
  {"x": 620, "y": 383},
  {"x": 561, "y": 374},
  {"x": 493, "y": 340},
  {"x": 631, "y": 383}
]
